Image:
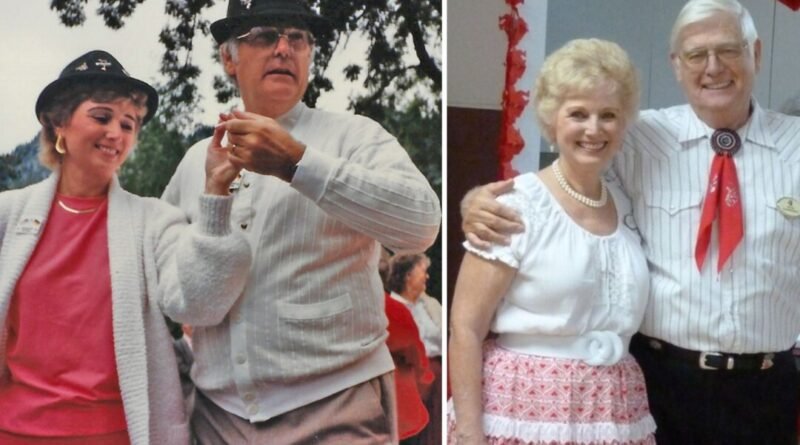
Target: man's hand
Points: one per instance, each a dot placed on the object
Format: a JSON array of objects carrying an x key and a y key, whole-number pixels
[
  {"x": 220, "y": 171},
  {"x": 486, "y": 221},
  {"x": 261, "y": 145}
]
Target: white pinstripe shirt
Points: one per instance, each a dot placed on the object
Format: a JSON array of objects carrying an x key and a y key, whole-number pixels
[
  {"x": 311, "y": 320},
  {"x": 753, "y": 305}
]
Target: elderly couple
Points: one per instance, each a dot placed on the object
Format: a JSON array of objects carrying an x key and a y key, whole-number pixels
[
  {"x": 690, "y": 238},
  {"x": 271, "y": 256}
]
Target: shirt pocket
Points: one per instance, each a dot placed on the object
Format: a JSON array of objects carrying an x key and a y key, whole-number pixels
[
  {"x": 774, "y": 231},
  {"x": 669, "y": 222}
]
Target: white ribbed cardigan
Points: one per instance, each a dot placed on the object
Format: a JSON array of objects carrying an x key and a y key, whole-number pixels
[{"x": 157, "y": 262}]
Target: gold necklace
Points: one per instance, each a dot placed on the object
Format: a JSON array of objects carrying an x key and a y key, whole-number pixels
[{"x": 76, "y": 211}]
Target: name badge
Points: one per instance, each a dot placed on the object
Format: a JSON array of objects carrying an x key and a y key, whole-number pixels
[
  {"x": 28, "y": 226},
  {"x": 789, "y": 207}
]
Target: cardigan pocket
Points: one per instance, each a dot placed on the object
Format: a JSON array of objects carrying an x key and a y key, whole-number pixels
[
  {"x": 313, "y": 311},
  {"x": 316, "y": 338}
]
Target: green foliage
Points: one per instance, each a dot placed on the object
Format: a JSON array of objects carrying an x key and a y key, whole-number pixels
[
  {"x": 21, "y": 167},
  {"x": 417, "y": 127},
  {"x": 150, "y": 166},
  {"x": 401, "y": 76},
  {"x": 404, "y": 56}
]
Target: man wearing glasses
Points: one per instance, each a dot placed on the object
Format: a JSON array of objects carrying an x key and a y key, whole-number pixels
[
  {"x": 712, "y": 184},
  {"x": 300, "y": 356}
]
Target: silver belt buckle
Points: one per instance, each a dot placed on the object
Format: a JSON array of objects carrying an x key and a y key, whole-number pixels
[
  {"x": 702, "y": 361},
  {"x": 767, "y": 362}
]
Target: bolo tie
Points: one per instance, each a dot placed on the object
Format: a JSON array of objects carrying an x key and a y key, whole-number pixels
[{"x": 722, "y": 200}]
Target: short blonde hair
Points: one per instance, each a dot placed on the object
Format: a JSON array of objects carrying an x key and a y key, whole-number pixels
[
  {"x": 578, "y": 67},
  {"x": 68, "y": 100}
]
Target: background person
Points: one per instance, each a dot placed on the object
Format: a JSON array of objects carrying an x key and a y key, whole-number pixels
[
  {"x": 407, "y": 281},
  {"x": 412, "y": 374},
  {"x": 566, "y": 295},
  {"x": 301, "y": 356},
  {"x": 86, "y": 269}
]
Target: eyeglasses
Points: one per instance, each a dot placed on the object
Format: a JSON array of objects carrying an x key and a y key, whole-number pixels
[
  {"x": 697, "y": 59},
  {"x": 267, "y": 37}
]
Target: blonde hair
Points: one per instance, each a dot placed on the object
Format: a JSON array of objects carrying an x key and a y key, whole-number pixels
[
  {"x": 581, "y": 66},
  {"x": 698, "y": 10}
]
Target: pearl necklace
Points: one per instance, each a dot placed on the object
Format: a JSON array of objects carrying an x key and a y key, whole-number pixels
[
  {"x": 75, "y": 211},
  {"x": 583, "y": 199}
]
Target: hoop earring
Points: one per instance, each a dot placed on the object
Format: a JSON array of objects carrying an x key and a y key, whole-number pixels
[{"x": 58, "y": 147}]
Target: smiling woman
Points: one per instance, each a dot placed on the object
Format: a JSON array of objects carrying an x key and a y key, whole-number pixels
[
  {"x": 92, "y": 266},
  {"x": 94, "y": 143},
  {"x": 562, "y": 323}
]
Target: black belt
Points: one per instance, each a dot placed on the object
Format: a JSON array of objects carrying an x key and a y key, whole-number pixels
[{"x": 714, "y": 361}]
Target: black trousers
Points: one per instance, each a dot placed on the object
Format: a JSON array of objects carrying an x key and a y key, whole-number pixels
[{"x": 696, "y": 406}]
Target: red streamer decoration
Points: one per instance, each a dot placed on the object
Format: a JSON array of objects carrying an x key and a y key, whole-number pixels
[
  {"x": 514, "y": 100},
  {"x": 794, "y": 5}
]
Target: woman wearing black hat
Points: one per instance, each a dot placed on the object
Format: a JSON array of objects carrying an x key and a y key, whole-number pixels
[{"x": 86, "y": 270}]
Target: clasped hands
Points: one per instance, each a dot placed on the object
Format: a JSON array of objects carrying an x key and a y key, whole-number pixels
[{"x": 256, "y": 143}]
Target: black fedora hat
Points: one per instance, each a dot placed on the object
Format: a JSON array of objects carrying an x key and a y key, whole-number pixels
[
  {"x": 95, "y": 66},
  {"x": 243, "y": 13}
]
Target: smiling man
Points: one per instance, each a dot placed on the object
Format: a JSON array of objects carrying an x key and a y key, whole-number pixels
[
  {"x": 711, "y": 183},
  {"x": 300, "y": 357}
]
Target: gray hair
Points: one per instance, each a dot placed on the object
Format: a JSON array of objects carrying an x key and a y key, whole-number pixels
[
  {"x": 698, "y": 10},
  {"x": 230, "y": 48}
]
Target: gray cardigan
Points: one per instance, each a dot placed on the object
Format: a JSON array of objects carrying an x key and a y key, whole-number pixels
[{"x": 158, "y": 263}]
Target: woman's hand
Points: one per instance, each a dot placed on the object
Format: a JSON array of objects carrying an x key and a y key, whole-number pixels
[{"x": 220, "y": 171}]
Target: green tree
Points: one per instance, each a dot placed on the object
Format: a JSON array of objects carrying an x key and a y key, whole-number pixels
[
  {"x": 149, "y": 168},
  {"x": 400, "y": 75},
  {"x": 403, "y": 57},
  {"x": 417, "y": 128},
  {"x": 21, "y": 167}
]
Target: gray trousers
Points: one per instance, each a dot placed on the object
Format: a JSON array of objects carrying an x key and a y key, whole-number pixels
[{"x": 363, "y": 414}]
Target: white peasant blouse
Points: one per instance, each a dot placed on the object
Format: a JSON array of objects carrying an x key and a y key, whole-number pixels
[{"x": 576, "y": 294}]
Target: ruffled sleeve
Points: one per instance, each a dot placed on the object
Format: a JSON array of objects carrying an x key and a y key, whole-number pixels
[{"x": 531, "y": 200}]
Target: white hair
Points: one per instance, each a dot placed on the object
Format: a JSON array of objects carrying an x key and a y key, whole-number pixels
[{"x": 698, "y": 10}]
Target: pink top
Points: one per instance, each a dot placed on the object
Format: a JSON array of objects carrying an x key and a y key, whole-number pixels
[{"x": 60, "y": 348}]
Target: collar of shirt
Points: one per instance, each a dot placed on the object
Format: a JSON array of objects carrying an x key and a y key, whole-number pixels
[
  {"x": 755, "y": 130},
  {"x": 402, "y": 299}
]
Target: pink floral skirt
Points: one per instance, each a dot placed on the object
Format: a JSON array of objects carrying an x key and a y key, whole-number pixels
[{"x": 529, "y": 399}]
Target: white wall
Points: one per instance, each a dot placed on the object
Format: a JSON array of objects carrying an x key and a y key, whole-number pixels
[
  {"x": 476, "y": 51},
  {"x": 477, "y": 46}
]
